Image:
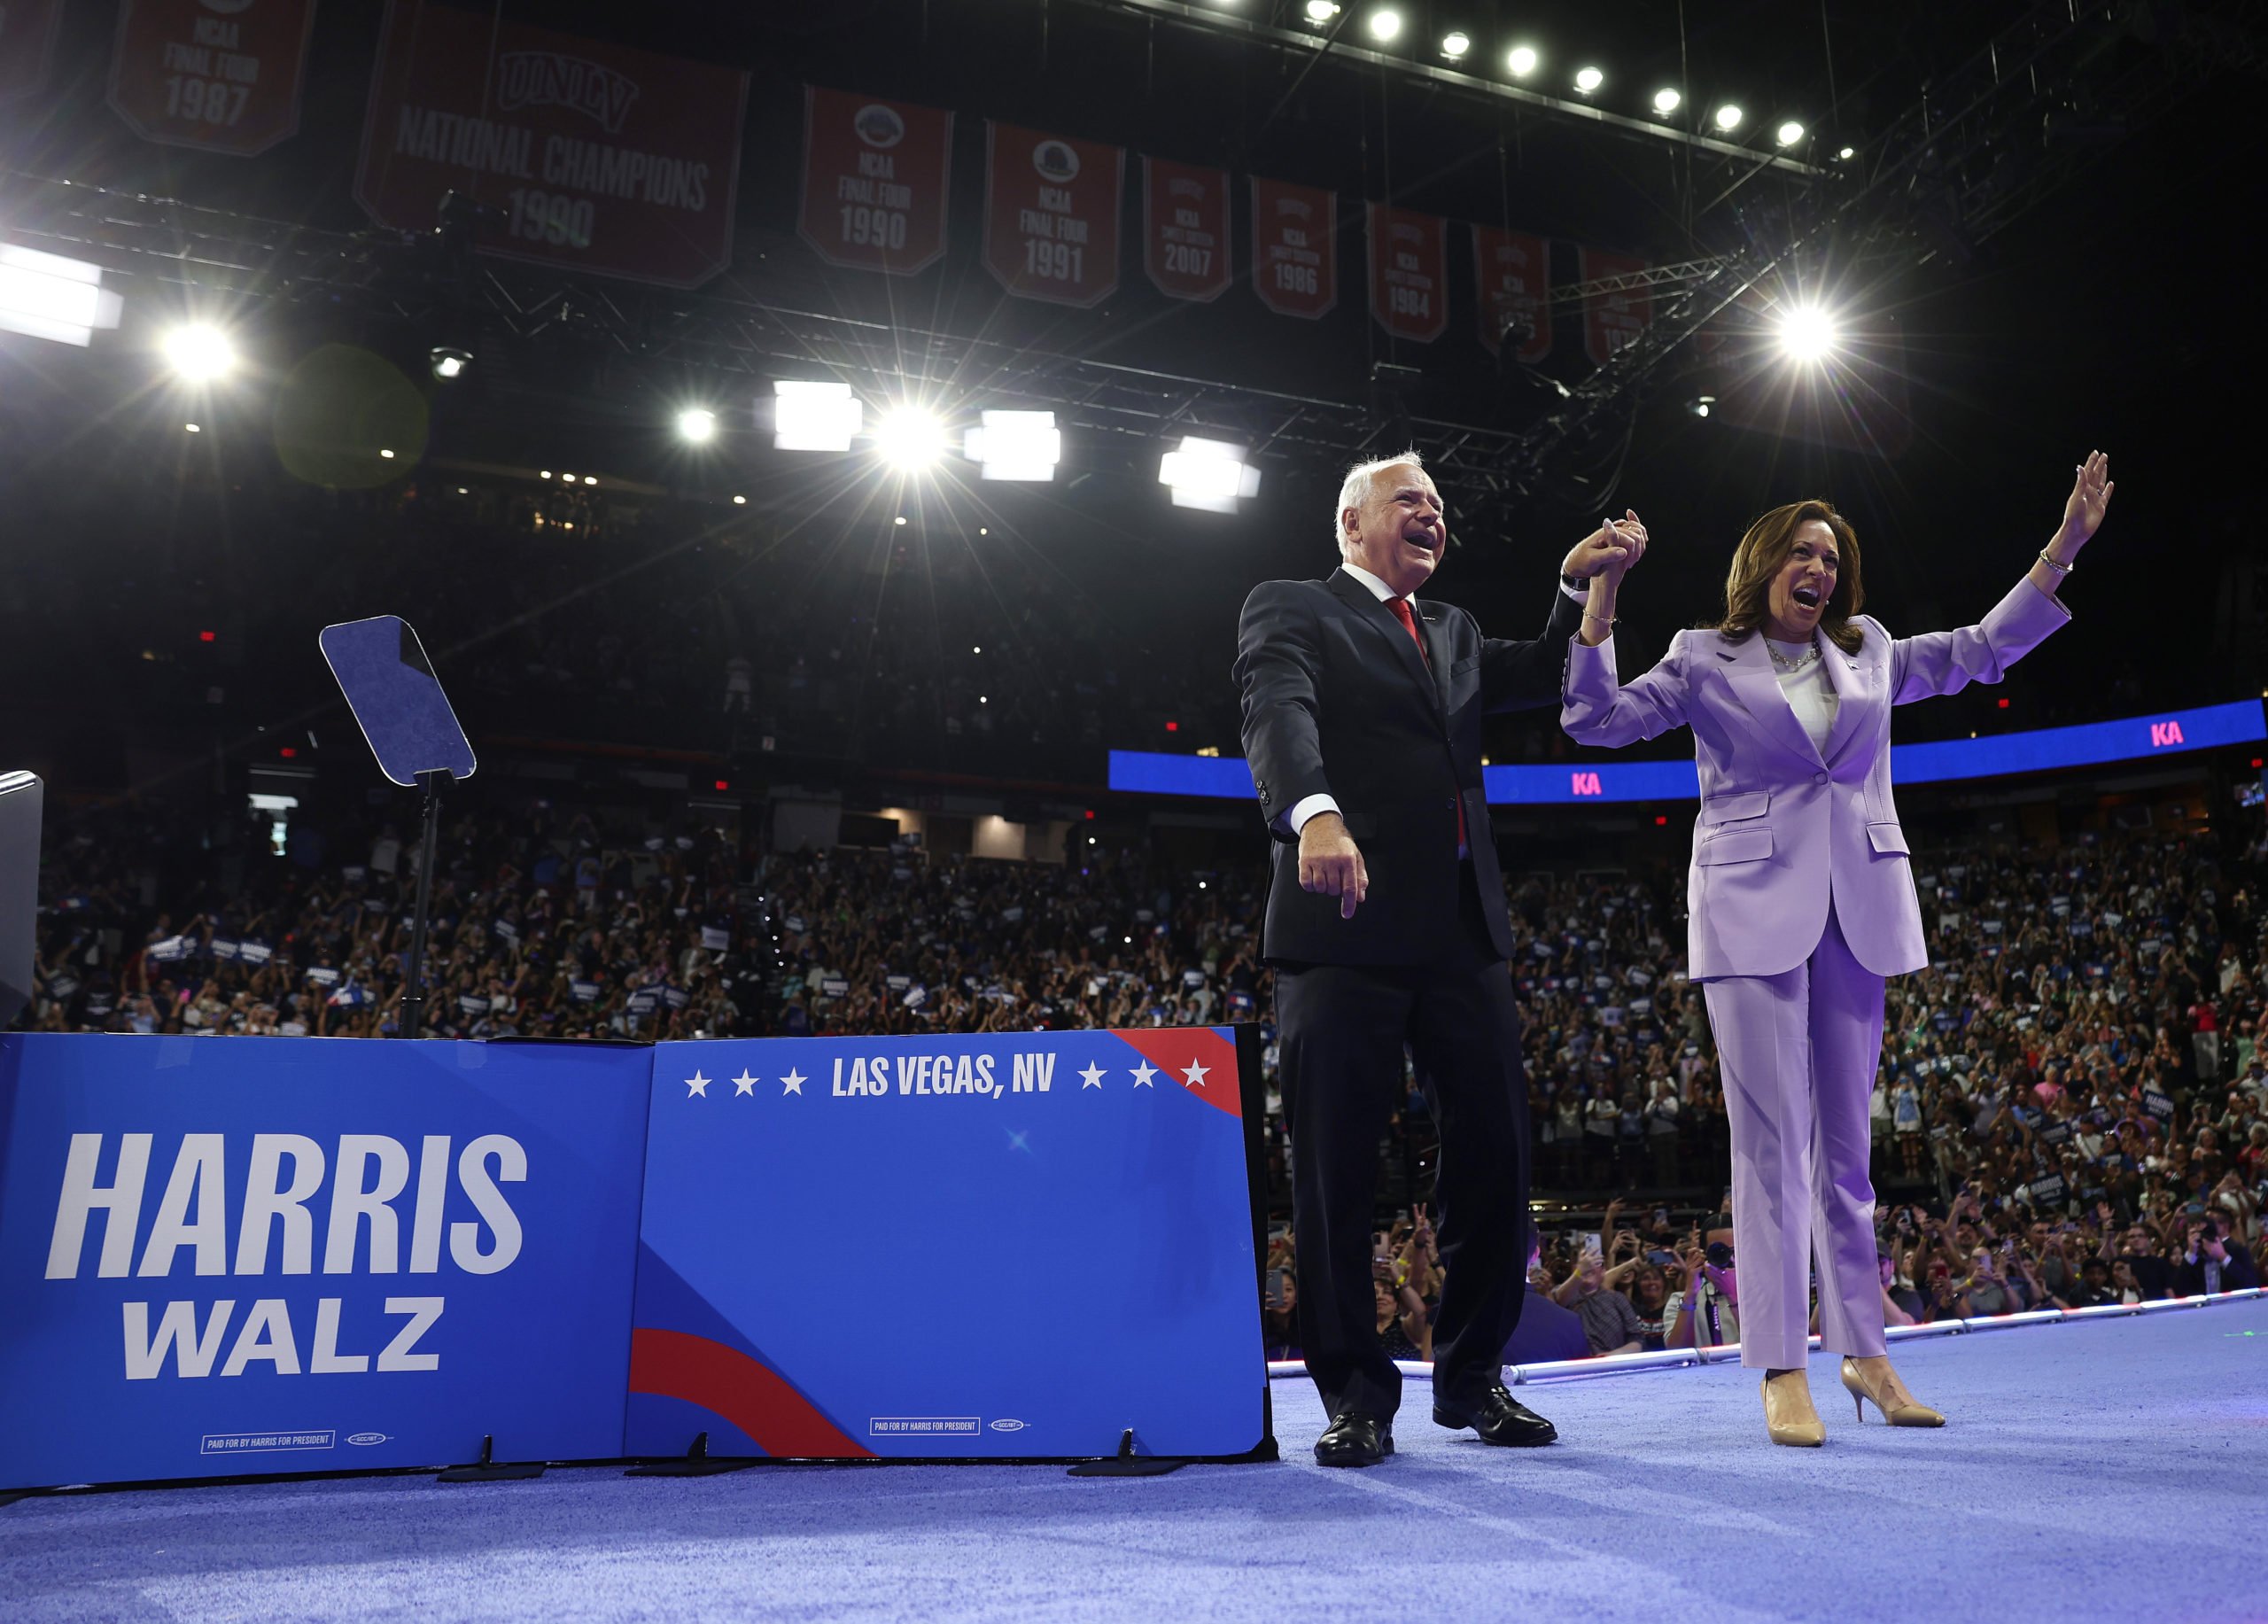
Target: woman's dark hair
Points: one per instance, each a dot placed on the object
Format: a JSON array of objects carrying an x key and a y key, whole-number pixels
[{"x": 1748, "y": 584}]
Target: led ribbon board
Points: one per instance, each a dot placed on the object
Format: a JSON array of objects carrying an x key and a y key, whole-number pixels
[{"x": 1596, "y": 780}]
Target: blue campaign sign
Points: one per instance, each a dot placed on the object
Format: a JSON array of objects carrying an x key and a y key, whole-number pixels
[
  {"x": 222, "y": 1257},
  {"x": 1010, "y": 1245},
  {"x": 396, "y": 698}
]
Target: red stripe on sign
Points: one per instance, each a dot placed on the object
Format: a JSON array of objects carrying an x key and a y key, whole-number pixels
[
  {"x": 727, "y": 1383},
  {"x": 1197, "y": 1059}
]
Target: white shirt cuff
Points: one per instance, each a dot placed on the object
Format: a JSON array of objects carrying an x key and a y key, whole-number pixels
[
  {"x": 1303, "y": 810},
  {"x": 1582, "y": 594}
]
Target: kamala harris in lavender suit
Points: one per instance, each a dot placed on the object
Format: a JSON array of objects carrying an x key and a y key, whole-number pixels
[{"x": 1801, "y": 895}]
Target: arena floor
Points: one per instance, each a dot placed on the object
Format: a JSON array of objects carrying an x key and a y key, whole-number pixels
[{"x": 2115, "y": 1469}]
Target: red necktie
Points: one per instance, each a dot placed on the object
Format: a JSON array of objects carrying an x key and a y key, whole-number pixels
[{"x": 1401, "y": 608}]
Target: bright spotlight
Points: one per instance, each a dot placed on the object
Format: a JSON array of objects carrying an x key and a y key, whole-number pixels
[
  {"x": 808, "y": 416},
  {"x": 449, "y": 363},
  {"x": 1729, "y": 117},
  {"x": 910, "y": 438},
  {"x": 1322, "y": 10},
  {"x": 1588, "y": 79},
  {"x": 697, "y": 425},
  {"x": 1209, "y": 474},
  {"x": 1788, "y": 132},
  {"x": 46, "y": 296},
  {"x": 1454, "y": 46},
  {"x": 1522, "y": 61},
  {"x": 1848, "y": 153},
  {"x": 1016, "y": 445},
  {"x": 1700, "y": 406},
  {"x": 1385, "y": 23},
  {"x": 1806, "y": 334},
  {"x": 198, "y": 353},
  {"x": 1666, "y": 100}
]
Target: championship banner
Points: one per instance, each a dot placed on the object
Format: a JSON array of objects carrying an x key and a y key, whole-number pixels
[
  {"x": 222, "y": 78},
  {"x": 1051, "y": 215},
  {"x": 1294, "y": 248},
  {"x": 224, "y": 1256},
  {"x": 1611, "y": 322},
  {"x": 1038, "y": 1240},
  {"x": 1186, "y": 230},
  {"x": 876, "y": 181},
  {"x": 588, "y": 156},
  {"x": 27, "y": 30},
  {"x": 1512, "y": 271},
  {"x": 1409, "y": 258}
]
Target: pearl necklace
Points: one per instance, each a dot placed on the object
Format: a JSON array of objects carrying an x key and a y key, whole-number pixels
[{"x": 1785, "y": 663}]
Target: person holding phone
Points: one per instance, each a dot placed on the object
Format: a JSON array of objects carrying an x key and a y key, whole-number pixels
[{"x": 1800, "y": 896}]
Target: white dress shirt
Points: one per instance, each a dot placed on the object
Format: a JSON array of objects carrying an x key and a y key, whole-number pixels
[{"x": 1810, "y": 695}]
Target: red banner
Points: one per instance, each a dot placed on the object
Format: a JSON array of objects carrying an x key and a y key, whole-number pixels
[
  {"x": 876, "y": 178},
  {"x": 1294, "y": 247},
  {"x": 221, "y": 78},
  {"x": 1410, "y": 262},
  {"x": 1186, "y": 230},
  {"x": 589, "y": 156},
  {"x": 1051, "y": 215},
  {"x": 27, "y": 30},
  {"x": 1612, "y": 320},
  {"x": 1512, "y": 270}
]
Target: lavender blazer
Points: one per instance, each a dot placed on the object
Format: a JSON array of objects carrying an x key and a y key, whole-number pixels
[{"x": 1785, "y": 826}]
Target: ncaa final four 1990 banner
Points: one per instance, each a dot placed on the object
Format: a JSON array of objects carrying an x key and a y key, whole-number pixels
[
  {"x": 222, "y": 1257},
  {"x": 1004, "y": 1245}
]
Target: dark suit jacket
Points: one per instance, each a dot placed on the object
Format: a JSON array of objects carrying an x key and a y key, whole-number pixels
[
  {"x": 2237, "y": 1274},
  {"x": 1337, "y": 701}
]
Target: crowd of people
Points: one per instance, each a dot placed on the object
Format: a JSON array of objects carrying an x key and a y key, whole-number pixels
[{"x": 2072, "y": 1104}]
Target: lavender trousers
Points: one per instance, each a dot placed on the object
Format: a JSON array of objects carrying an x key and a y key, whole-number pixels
[{"x": 1799, "y": 1053}]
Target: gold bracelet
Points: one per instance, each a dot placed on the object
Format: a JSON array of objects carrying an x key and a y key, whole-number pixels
[
  {"x": 1602, "y": 619},
  {"x": 2060, "y": 569}
]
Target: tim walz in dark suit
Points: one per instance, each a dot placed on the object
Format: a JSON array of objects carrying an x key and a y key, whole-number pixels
[{"x": 1386, "y": 927}]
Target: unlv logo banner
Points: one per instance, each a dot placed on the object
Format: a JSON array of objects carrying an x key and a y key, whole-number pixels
[
  {"x": 1409, "y": 260},
  {"x": 1051, "y": 215},
  {"x": 27, "y": 41},
  {"x": 1295, "y": 238},
  {"x": 1614, "y": 319},
  {"x": 222, "y": 77},
  {"x": 588, "y": 156},
  {"x": 875, "y": 181},
  {"x": 1186, "y": 228},
  {"x": 1512, "y": 271}
]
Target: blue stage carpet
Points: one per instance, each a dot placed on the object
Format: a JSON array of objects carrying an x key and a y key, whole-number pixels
[{"x": 2113, "y": 1470}]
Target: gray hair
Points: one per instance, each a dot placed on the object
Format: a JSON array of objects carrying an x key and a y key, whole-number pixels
[{"x": 1356, "y": 487}]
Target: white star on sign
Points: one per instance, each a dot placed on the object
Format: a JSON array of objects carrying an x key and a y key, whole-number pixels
[
  {"x": 793, "y": 1084},
  {"x": 1093, "y": 1074},
  {"x": 1194, "y": 1076},
  {"x": 744, "y": 1083},
  {"x": 696, "y": 1084},
  {"x": 1143, "y": 1074}
]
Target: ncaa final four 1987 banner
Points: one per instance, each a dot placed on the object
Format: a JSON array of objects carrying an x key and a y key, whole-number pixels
[
  {"x": 1002, "y": 1245},
  {"x": 219, "y": 78},
  {"x": 224, "y": 1256}
]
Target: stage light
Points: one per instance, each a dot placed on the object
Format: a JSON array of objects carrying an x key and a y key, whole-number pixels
[
  {"x": 1806, "y": 334},
  {"x": 900, "y": 519},
  {"x": 1454, "y": 46},
  {"x": 809, "y": 416},
  {"x": 739, "y": 502},
  {"x": 1209, "y": 474},
  {"x": 1386, "y": 24},
  {"x": 544, "y": 474},
  {"x": 1848, "y": 153},
  {"x": 1788, "y": 132},
  {"x": 387, "y": 454},
  {"x": 191, "y": 428},
  {"x": 1701, "y": 406},
  {"x": 697, "y": 425},
  {"x": 198, "y": 353},
  {"x": 1322, "y": 10},
  {"x": 590, "y": 479},
  {"x": 1665, "y": 101},
  {"x": 46, "y": 296},
  {"x": 1729, "y": 118},
  {"x": 910, "y": 438},
  {"x": 1588, "y": 79},
  {"x": 1522, "y": 61},
  {"x": 450, "y": 363},
  {"x": 1016, "y": 445}
]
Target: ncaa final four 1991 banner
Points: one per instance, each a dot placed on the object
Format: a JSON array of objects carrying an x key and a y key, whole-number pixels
[
  {"x": 586, "y": 155},
  {"x": 1004, "y": 1245},
  {"x": 222, "y": 1257}
]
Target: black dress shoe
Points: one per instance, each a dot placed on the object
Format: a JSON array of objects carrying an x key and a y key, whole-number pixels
[
  {"x": 1496, "y": 1415},
  {"x": 1354, "y": 1439}
]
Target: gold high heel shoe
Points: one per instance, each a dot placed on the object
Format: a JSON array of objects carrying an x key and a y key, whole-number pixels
[
  {"x": 1789, "y": 1417},
  {"x": 1900, "y": 1410}
]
